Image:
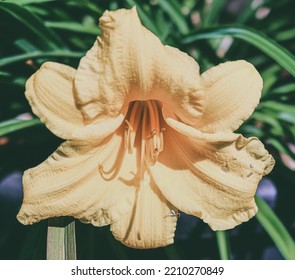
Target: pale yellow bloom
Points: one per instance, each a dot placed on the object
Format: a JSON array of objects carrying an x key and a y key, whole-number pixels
[{"x": 147, "y": 135}]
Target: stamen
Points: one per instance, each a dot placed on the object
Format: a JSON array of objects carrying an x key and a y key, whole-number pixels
[
  {"x": 135, "y": 115},
  {"x": 132, "y": 125},
  {"x": 145, "y": 115},
  {"x": 126, "y": 134},
  {"x": 161, "y": 140},
  {"x": 156, "y": 113},
  {"x": 153, "y": 116},
  {"x": 142, "y": 157}
]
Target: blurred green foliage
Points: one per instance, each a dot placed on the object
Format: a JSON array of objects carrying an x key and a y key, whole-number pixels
[{"x": 259, "y": 31}]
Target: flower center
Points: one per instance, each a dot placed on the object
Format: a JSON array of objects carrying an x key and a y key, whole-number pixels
[{"x": 143, "y": 124}]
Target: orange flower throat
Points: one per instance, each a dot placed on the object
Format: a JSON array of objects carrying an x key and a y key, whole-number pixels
[{"x": 143, "y": 124}]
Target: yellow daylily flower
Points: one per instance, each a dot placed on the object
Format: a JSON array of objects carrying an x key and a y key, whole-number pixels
[{"x": 146, "y": 135}]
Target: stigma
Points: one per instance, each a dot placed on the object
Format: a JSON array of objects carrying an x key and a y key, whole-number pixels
[{"x": 143, "y": 130}]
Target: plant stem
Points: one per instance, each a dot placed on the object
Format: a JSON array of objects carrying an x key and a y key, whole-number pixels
[
  {"x": 223, "y": 244},
  {"x": 61, "y": 239}
]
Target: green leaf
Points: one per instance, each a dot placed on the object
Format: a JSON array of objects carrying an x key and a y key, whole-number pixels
[
  {"x": 88, "y": 4},
  {"x": 276, "y": 230},
  {"x": 38, "y": 54},
  {"x": 287, "y": 117},
  {"x": 25, "y": 45},
  {"x": 73, "y": 27},
  {"x": 251, "y": 130},
  {"x": 211, "y": 15},
  {"x": 163, "y": 26},
  {"x": 277, "y": 52},
  {"x": 15, "y": 125},
  {"x": 285, "y": 89},
  {"x": 270, "y": 77},
  {"x": 286, "y": 35},
  {"x": 32, "y": 22},
  {"x": 280, "y": 147},
  {"x": 170, "y": 7},
  {"x": 223, "y": 244},
  {"x": 278, "y": 107},
  {"x": 292, "y": 131},
  {"x": 27, "y": 2},
  {"x": 270, "y": 120},
  {"x": 7, "y": 78},
  {"x": 4, "y": 75},
  {"x": 146, "y": 19},
  {"x": 273, "y": 122},
  {"x": 172, "y": 252}
]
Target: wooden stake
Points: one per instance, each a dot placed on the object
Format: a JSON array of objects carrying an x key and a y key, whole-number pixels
[{"x": 61, "y": 239}]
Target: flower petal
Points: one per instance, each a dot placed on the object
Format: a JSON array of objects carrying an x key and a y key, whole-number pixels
[
  {"x": 214, "y": 181},
  {"x": 50, "y": 94},
  {"x": 82, "y": 181},
  {"x": 232, "y": 90},
  {"x": 130, "y": 63},
  {"x": 152, "y": 221}
]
